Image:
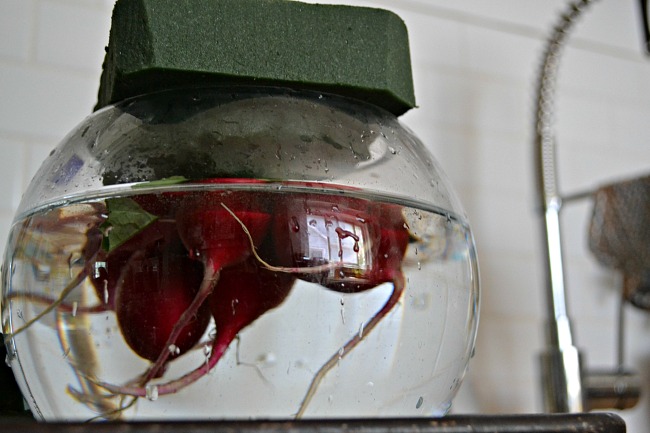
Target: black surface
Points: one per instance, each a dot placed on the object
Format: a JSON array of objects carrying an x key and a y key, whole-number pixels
[
  {"x": 538, "y": 423},
  {"x": 11, "y": 400}
]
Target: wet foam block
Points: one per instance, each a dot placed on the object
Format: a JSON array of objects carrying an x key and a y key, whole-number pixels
[{"x": 353, "y": 51}]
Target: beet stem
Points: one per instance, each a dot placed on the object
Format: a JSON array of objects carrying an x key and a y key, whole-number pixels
[
  {"x": 393, "y": 300},
  {"x": 210, "y": 279},
  {"x": 219, "y": 348}
]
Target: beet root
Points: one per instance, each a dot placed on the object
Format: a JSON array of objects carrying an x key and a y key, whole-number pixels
[{"x": 243, "y": 294}]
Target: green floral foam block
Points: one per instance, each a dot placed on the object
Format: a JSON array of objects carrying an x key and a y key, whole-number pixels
[{"x": 352, "y": 51}]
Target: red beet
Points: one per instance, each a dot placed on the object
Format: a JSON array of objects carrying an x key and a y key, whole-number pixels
[
  {"x": 149, "y": 281},
  {"x": 157, "y": 286},
  {"x": 214, "y": 237},
  {"x": 209, "y": 224},
  {"x": 346, "y": 244},
  {"x": 243, "y": 293},
  {"x": 109, "y": 266},
  {"x": 206, "y": 224},
  {"x": 392, "y": 244},
  {"x": 241, "y": 296}
]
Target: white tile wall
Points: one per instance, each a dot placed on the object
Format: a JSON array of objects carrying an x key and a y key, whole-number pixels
[
  {"x": 42, "y": 102},
  {"x": 474, "y": 68},
  {"x": 16, "y": 28},
  {"x": 78, "y": 29},
  {"x": 11, "y": 166}
]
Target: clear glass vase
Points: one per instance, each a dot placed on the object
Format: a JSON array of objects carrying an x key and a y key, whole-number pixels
[{"x": 239, "y": 253}]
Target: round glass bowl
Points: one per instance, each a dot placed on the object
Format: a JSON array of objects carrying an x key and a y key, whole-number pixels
[{"x": 249, "y": 253}]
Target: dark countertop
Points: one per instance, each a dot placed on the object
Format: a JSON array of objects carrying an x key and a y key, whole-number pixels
[{"x": 534, "y": 423}]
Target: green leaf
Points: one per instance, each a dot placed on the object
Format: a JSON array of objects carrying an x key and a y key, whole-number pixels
[
  {"x": 172, "y": 180},
  {"x": 125, "y": 219}
]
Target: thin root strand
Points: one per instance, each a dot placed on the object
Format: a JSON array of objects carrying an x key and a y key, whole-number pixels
[
  {"x": 55, "y": 304},
  {"x": 288, "y": 270},
  {"x": 392, "y": 301}
]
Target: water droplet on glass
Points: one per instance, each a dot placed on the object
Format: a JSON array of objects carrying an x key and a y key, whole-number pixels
[
  {"x": 75, "y": 305},
  {"x": 233, "y": 306},
  {"x": 418, "y": 405},
  {"x": 295, "y": 226},
  {"x": 419, "y": 266},
  {"x": 174, "y": 349},
  {"x": 99, "y": 265},
  {"x": 420, "y": 302},
  {"x": 341, "y": 352},
  {"x": 370, "y": 384},
  {"x": 267, "y": 359},
  {"x": 42, "y": 271},
  {"x": 152, "y": 392},
  {"x": 361, "y": 326},
  {"x": 313, "y": 223}
]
